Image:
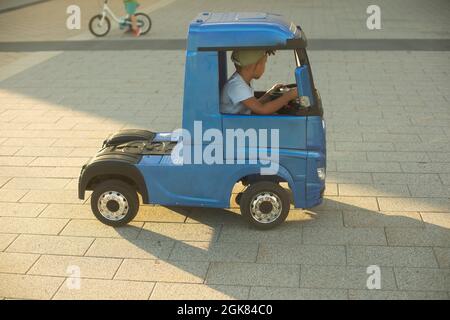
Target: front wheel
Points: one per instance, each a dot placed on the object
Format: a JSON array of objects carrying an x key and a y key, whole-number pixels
[
  {"x": 114, "y": 202},
  {"x": 144, "y": 22},
  {"x": 98, "y": 27},
  {"x": 265, "y": 205}
]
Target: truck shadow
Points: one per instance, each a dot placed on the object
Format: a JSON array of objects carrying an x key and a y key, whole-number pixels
[{"x": 208, "y": 259}]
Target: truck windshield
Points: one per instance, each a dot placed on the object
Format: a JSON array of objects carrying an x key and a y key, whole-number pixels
[{"x": 301, "y": 57}]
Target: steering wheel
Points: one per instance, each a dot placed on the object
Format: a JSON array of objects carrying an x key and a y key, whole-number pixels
[
  {"x": 281, "y": 90},
  {"x": 293, "y": 106}
]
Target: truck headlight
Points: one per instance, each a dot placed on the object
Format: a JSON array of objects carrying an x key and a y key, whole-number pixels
[{"x": 321, "y": 173}]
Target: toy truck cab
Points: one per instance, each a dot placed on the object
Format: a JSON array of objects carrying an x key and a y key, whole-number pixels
[{"x": 199, "y": 165}]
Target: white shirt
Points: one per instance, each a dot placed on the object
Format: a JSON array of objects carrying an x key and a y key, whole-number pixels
[{"x": 234, "y": 92}]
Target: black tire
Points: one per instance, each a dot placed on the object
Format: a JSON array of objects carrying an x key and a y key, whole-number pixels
[
  {"x": 269, "y": 190},
  {"x": 144, "y": 22},
  {"x": 122, "y": 194},
  {"x": 96, "y": 19}
]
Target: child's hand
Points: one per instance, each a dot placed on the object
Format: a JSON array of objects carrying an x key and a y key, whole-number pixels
[
  {"x": 276, "y": 87},
  {"x": 292, "y": 94}
]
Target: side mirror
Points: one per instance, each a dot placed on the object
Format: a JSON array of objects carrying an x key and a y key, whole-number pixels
[{"x": 305, "y": 94}]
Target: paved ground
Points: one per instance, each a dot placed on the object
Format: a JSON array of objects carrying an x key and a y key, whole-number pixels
[{"x": 387, "y": 199}]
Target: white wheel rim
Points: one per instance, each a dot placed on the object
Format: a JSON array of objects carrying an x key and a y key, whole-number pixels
[
  {"x": 144, "y": 24},
  {"x": 113, "y": 205},
  {"x": 266, "y": 207}
]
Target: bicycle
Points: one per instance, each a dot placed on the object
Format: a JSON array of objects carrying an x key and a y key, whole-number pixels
[{"x": 100, "y": 24}]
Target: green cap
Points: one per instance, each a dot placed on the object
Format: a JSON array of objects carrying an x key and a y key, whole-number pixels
[{"x": 246, "y": 57}]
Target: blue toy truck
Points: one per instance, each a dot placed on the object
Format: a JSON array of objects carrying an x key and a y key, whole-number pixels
[{"x": 133, "y": 162}]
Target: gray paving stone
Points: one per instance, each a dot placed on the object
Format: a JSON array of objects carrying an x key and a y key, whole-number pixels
[
  {"x": 423, "y": 146},
  {"x": 405, "y": 178},
  {"x": 44, "y": 151},
  {"x": 51, "y": 244},
  {"x": 4, "y": 180},
  {"x": 94, "y": 228},
  {"x": 391, "y": 256},
  {"x": 429, "y": 191},
  {"x": 21, "y": 209},
  {"x": 348, "y": 203},
  {"x": 14, "y": 161},
  {"x": 213, "y": 216},
  {"x": 41, "y": 172},
  {"x": 11, "y": 195},
  {"x": 436, "y": 219},
  {"x": 430, "y": 236},
  {"x": 395, "y": 295},
  {"x": 423, "y": 279},
  {"x": 287, "y": 232},
  {"x": 92, "y": 289},
  {"x": 89, "y": 267},
  {"x": 166, "y": 271},
  {"x": 390, "y": 137},
  {"x": 349, "y": 177},
  {"x": 69, "y": 211},
  {"x": 364, "y": 166},
  {"x": 36, "y": 183},
  {"x": 178, "y": 231},
  {"x": 367, "y": 218},
  {"x": 442, "y": 256},
  {"x": 378, "y": 190},
  {"x": 270, "y": 293},
  {"x": 31, "y": 225},
  {"x": 250, "y": 274},
  {"x": 59, "y": 162},
  {"x": 161, "y": 214},
  {"x": 301, "y": 254},
  {"x": 52, "y": 196},
  {"x": 187, "y": 291},
  {"x": 126, "y": 248},
  {"x": 397, "y": 156},
  {"x": 6, "y": 239},
  {"x": 343, "y": 136},
  {"x": 428, "y": 167},
  {"x": 341, "y": 277},
  {"x": 364, "y": 146},
  {"x": 215, "y": 251},
  {"x": 16, "y": 262},
  {"x": 28, "y": 287},
  {"x": 342, "y": 236},
  {"x": 414, "y": 204},
  {"x": 347, "y": 155},
  {"x": 445, "y": 177},
  {"x": 37, "y": 142},
  {"x": 316, "y": 218}
]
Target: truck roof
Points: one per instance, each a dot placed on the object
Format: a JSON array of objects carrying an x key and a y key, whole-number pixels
[{"x": 230, "y": 30}]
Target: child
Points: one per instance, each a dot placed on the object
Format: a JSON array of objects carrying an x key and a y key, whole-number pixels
[
  {"x": 130, "y": 8},
  {"x": 238, "y": 94}
]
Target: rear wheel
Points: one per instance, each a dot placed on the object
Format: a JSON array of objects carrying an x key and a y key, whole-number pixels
[
  {"x": 98, "y": 27},
  {"x": 265, "y": 205},
  {"x": 144, "y": 22},
  {"x": 114, "y": 202}
]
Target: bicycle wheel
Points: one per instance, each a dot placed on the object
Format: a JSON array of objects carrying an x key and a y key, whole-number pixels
[
  {"x": 144, "y": 22},
  {"x": 97, "y": 28}
]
